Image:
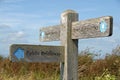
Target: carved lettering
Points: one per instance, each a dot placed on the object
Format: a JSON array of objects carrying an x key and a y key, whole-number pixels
[{"x": 41, "y": 53}]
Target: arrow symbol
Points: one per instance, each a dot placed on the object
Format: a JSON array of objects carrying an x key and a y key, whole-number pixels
[{"x": 19, "y": 53}]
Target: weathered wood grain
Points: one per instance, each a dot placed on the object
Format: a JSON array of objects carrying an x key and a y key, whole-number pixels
[
  {"x": 70, "y": 62},
  {"x": 38, "y": 53},
  {"x": 51, "y": 33},
  {"x": 80, "y": 29},
  {"x": 91, "y": 28}
]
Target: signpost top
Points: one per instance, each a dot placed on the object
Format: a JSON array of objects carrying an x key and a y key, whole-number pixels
[{"x": 67, "y": 12}]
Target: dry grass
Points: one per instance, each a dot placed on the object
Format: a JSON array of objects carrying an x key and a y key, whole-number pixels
[{"x": 88, "y": 69}]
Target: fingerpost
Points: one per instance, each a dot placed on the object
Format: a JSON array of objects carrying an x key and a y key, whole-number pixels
[{"x": 68, "y": 32}]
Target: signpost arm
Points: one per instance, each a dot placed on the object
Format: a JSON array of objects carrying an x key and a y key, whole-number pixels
[{"x": 70, "y": 62}]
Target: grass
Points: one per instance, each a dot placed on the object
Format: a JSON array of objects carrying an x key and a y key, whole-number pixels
[{"x": 88, "y": 69}]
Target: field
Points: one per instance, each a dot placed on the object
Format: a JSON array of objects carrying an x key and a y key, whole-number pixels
[{"x": 89, "y": 69}]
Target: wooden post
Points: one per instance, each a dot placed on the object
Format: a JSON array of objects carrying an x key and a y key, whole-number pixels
[{"x": 70, "y": 62}]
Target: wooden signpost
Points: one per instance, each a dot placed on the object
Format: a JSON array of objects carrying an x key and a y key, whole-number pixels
[
  {"x": 36, "y": 53},
  {"x": 68, "y": 32},
  {"x": 80, "y": 29}
]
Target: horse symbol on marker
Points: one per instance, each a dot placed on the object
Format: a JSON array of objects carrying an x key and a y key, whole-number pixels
[
  {"x": 103, "y": 26},
  {"x": 42, "y": 35}
]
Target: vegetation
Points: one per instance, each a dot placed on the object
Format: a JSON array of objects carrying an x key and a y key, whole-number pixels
[{"x": 89, "y": 69}]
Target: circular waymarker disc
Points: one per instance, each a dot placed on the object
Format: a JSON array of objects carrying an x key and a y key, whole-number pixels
[
  {"x": 42, "y": 34},
  {"x": 103, "y": 26}
]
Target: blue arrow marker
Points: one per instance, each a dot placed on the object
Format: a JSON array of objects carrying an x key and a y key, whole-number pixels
[
  {"x": 19, "y": 53},
  {"x": 103, "y": 26}
]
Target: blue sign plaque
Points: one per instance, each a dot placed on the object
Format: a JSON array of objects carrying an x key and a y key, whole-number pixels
[
  {"x": 19, "y": 53},
  {"x": 103, "y": 26}
]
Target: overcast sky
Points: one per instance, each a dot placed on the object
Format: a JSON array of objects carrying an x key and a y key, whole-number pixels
[{"x": 20, "y": 21}]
